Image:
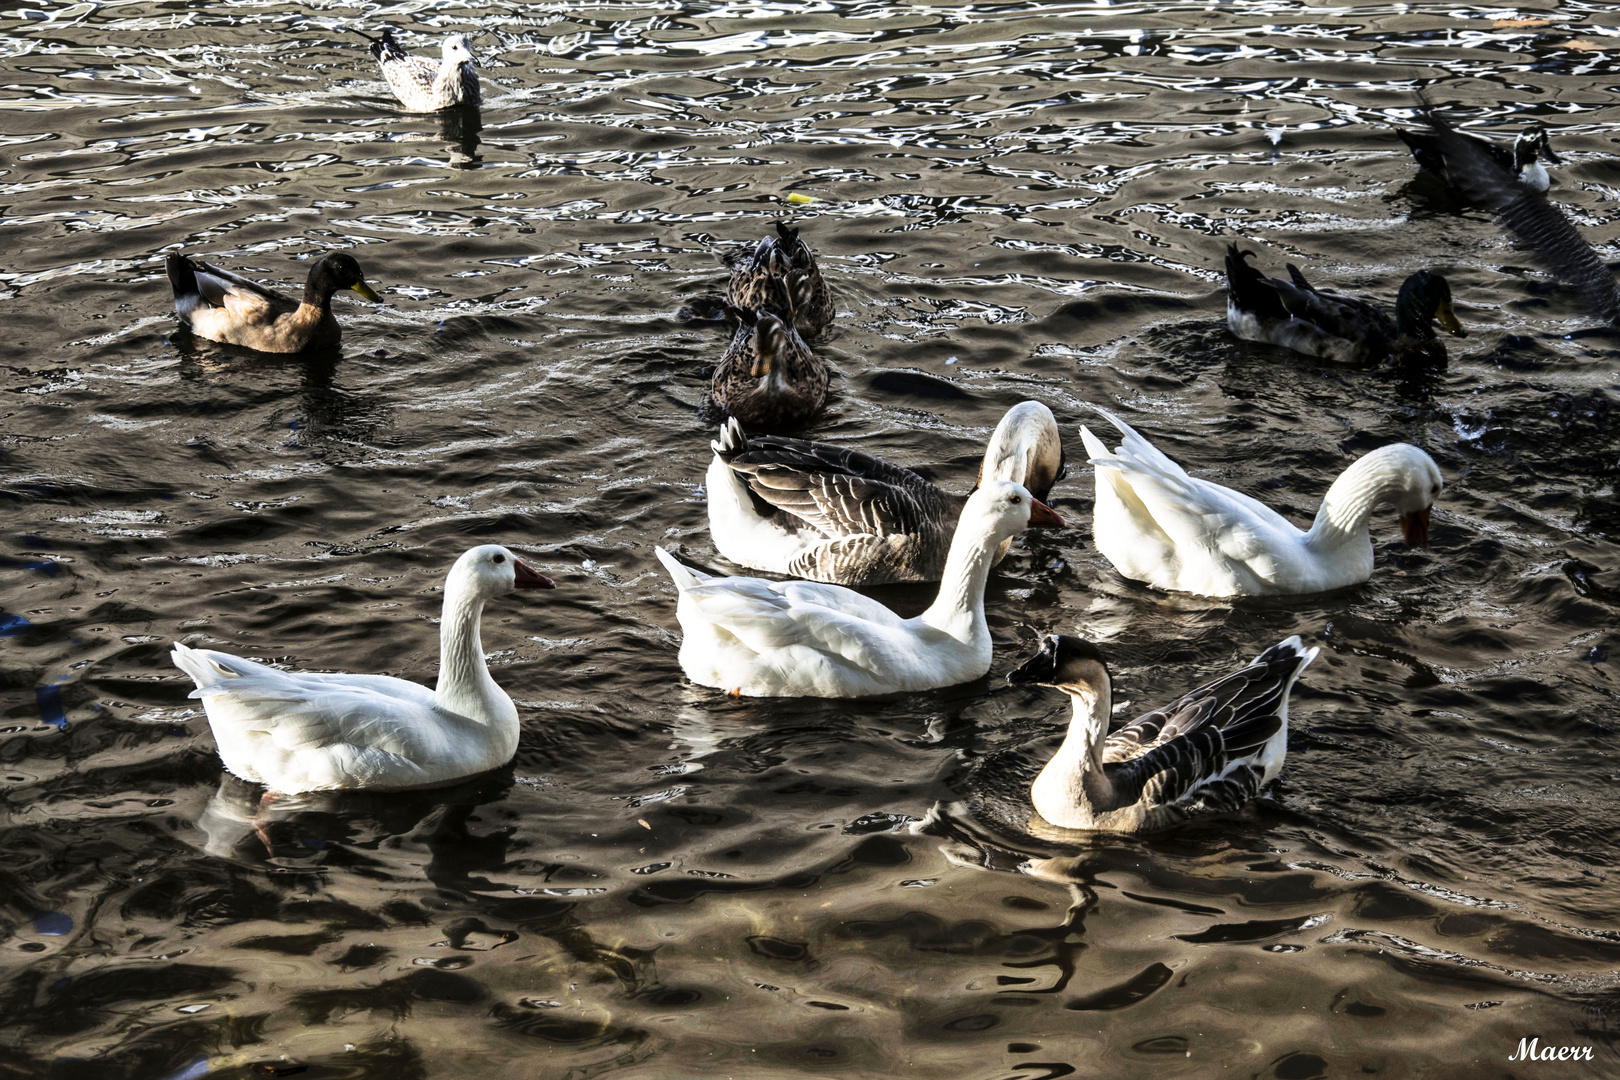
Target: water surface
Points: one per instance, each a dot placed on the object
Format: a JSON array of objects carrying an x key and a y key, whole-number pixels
[{"x": 1012, "y": 200}]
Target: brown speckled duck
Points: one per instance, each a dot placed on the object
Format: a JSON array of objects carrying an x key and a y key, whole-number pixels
[
  {"x": 768, "y": 378},
  {"x": 219, "y": 305},
  {"x": 788, "y": 259}
]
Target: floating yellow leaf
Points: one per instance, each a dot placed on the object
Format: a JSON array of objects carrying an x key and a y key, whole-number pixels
[
  {"x": 1520, "y": 22},
  {"x": 801, "y": 199}
]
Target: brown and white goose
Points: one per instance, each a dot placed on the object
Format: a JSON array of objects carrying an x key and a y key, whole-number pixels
[
  {"x": 1208, "y": 752},
  {"x": 831, "y": 513}
]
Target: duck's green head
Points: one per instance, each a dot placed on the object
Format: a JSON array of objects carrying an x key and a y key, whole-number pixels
[
  {"x": 1425, "y": 296},
  {"x": 338, "y": 271}
]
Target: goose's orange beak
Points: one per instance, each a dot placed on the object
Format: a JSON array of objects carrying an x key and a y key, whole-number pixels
[
  {"x": 527, "y": 578},
  {"x": 1415, "y": 527},
  {"x": 1042, "y": 516}
]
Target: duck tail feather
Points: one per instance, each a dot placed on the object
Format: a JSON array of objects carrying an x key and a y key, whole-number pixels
[
  {"x": 182, "y": 274},
  {"x": 1249, "y": 289}
]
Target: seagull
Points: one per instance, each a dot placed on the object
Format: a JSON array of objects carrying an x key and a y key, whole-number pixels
[{"x": 419, "y": 83}]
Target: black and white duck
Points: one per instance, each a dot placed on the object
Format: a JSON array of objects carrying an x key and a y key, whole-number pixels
[
  {"x": 1529, "y": 215},
  {"x": 1297, "y": 315},
  {"x": 1523, "y": 162}
]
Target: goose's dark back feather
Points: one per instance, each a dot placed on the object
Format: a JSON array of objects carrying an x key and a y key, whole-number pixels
[
  {"x": 840, "y": 490},
  {"x": 1190, "y": 742},
  {"x": 1528, "y": 214}
]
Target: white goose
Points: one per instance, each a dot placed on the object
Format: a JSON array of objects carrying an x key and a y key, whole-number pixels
[
  {"x": 1159, "y": 525},
  {"x": 761, "y": 638},
  {"x": 422, "y": 85},
  {"x": 296, "y": 732},
  {"x": 830, "y": 513},
  {"x": 1210, "y": 751}
]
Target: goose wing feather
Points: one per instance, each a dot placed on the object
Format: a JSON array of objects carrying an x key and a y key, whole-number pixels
[
  {"x": 1211, "y": 738},
  {"x": 364, "y": 726},
  {"x": 1191, "y": 512},
  {"x": 1529, "y": 215},
  {"x": 837, "y": 490}
]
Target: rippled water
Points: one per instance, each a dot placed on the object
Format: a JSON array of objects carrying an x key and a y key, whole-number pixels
[{"x": 1012, "y": 200}]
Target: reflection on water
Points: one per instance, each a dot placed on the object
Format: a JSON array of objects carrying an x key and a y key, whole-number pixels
[{"x": 1016, "y": 201}]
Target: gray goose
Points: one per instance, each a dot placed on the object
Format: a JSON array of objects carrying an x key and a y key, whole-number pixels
[
  {"x": 1208, "y": 752},
  {"x": 834, "y": 514}
]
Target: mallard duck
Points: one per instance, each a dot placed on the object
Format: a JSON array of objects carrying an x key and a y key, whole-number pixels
[
  {"x": 221, "y": 306},
  {"x": 1521, "y": 162},
  {"x": 788, "y": 259},
  {"x": 297, "y": 732},
  {"x": 1209, "y": 752},
  {"x": 1159, "y": 525},
  {"x": 830, "y": 513},
  {"x": 1537, "y": 223},
  {"x": 759, "y": 638},
  {"x": 768, "y": 377},
  {"x": 422, "y": 85},
  {"x": 1301, "y": 317}
]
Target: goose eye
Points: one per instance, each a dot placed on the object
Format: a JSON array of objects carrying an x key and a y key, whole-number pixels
[{"x": 500, "y": 558}]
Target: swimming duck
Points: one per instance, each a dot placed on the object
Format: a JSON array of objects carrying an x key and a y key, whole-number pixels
[
  {"x": 786, "y": 258},
  {"x": 1209, "y": 752},
  {"x": 1522, "y": 162},
  {"x": 221, "y": 306},
  {"x": 768, "y": 377},
  {"x": 759, "y": 638},
  {"x": 296, "y": 732},
  {"x": 1526, "y": 212},
  {"x": 830, "y": 513},
  {"x": 1301, "y": 317},
  {"x": 1159, "y": 525},
  {"x": 419, "y": 83}
]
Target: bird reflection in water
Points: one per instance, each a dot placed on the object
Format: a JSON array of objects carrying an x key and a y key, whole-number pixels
[
  {"x": 459, "y": 128},
  {"x": 323, "y": 409},
  {"x": 967, "y": 840},
  {"x": 244, "y": 822}
]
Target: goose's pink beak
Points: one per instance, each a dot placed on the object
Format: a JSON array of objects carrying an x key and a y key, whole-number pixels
[
  {"x": 1042, "y": 516},
  {"x": 528, "y": 579},
  {"x": 1415, "y": 527}
]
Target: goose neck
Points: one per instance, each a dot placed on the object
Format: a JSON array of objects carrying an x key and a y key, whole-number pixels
[
  {"x": 958, "y": 610},
  {"x": 1349, "y": 503},
  {"x": 464, "y": 681},
  {"x": 1074, "y": 779}
]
